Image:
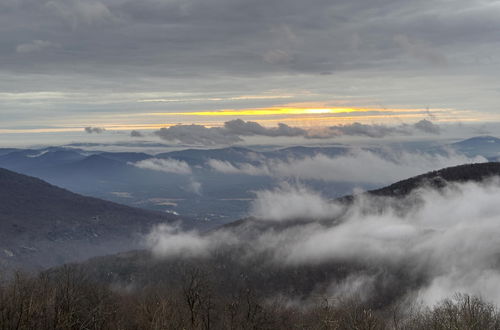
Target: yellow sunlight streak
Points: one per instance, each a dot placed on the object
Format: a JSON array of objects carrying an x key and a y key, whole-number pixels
[{"x": 284, "y": 111}]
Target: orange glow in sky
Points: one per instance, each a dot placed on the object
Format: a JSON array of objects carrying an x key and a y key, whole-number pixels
[
  {"x": 281, "y": 111},
  {"x": 295, "y": 114}
]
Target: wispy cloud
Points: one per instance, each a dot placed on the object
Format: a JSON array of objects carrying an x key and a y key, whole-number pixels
[
  {"x": 173, "y": 166},
  {"x": 35, "y": 46},
  {"x": 164, "y": 165},
  {"x": 216, "y": 99},
  {"x": 291, "y": 202},
  {"x": 358, "y": 166}
]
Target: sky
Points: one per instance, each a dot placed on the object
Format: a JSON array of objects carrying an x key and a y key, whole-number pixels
[{"x": 123, "y": 65}]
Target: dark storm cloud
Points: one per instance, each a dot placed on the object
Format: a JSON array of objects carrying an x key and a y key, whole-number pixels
[
  {"x": 239, "y": 36},
  {"x": 104, "y": 56}
]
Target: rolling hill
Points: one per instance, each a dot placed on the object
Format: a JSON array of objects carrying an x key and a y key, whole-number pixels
[{"x": 42, "y": 225}]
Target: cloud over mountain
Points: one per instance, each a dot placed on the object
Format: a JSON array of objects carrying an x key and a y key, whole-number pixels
[
  {"x": 172, "y": 166},
  {"x": 292, "y": 202},
  {"x": 447, "y": 239},
  {"x": 164, "y": 165},
  {"x": 351, "y": 167}
]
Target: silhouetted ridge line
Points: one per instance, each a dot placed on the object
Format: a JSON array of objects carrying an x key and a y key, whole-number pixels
[{"x": 438, "y": 179}]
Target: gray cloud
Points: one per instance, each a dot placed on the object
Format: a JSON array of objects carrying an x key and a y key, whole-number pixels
[
  {"x": 248, "y": 35},
  {"x": 197, "y": 134},
  {"x": 351, "y": 167},
  {"x": 427, "y": 126},
  {"x": 292, "y": 202},
  {"x": 167, "y": 240},
  {"x": 374, "y": 131},
  {"x": 378, "y": 130},
  {"x": 250, "y": 128},
  {"x": 229, "y": 134},
  {"x": 173, "y": 166},
  {"x": 194, "y": 186},
  {"x": 135, "y": 133},
  {"x": 234, "y": 130},
  {"x": 170, "y": 241},
  {"x": 97, "y": 130},
  {"x": 437, "y": 237}
]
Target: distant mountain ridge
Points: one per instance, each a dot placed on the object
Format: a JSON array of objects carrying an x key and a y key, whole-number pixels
[
  {"x": 221, "y": 197},
  {"x": 474, "y": 141},
  {"x": 486, "y": 146}
]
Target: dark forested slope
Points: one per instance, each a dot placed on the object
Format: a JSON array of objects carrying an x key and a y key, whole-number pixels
[{"x": 43, "y": 225}]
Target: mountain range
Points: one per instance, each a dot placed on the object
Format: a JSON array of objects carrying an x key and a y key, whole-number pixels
[{"x": 200, "y": 192}]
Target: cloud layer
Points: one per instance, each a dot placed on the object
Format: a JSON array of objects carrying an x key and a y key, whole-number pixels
[
  {"x": 380, "y": 131},
  {"x": 449, "y": 238},
  {"x": 361, "y": 166},
  {"x": 233, "y": 131},
  {"x": 248, "y": 36},
  {"x": 292, "y": 203},
  {"x": 97, "y": 60}
]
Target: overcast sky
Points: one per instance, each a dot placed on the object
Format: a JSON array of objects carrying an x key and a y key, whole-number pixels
[{"x": 123, "y": 64}]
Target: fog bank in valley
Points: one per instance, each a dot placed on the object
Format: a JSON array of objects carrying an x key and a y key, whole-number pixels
[{"x": 448, "y": 238}]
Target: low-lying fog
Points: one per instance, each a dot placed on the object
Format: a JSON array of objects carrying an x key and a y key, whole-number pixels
[{"x": 450, "y": 238}]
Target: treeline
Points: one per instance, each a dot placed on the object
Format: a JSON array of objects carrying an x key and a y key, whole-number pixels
[{"x": 67, "y": 299}]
